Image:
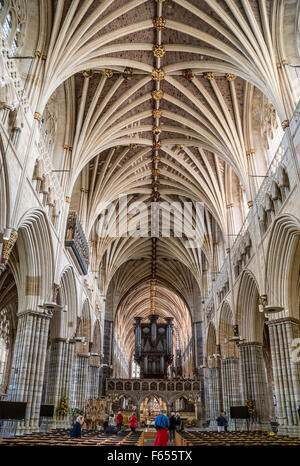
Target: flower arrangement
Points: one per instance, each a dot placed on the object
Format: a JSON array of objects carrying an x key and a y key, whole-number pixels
[{"x": 63, "y": 406}]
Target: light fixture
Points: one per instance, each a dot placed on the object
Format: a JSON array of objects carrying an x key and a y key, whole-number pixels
[
  {"x": 262, "y": 302},
  {"x": 261, "y": 308},
  {"x": 6, "y": 234},
  {"x": 270, "y": 308}
]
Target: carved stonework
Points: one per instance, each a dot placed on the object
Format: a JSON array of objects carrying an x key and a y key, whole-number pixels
[
  {"x": 230, "y": 77},
  {"x": 107, "y": 73},
  {"x": 159, "y": 23},
  {"x": 75, "y": 240},
  {"x": 158, "y": 74},
  {"x": 156, "y": 130},
  {"x": 285, "y": 124},
  {"x": 189, "y": 75},
  {"x": 157, "y": 95},
  {"x": 127, "y": 74},
  {"x": 209, "y": 76},
  {"x": 8, "y": 246},
  {"x": 156, "y": 146},
  {"x": 157, "y": 113},
  {"x": 158, "y": 51},
  {"x": 87, "y": 73},
  {"x": 155, "y": 172}
]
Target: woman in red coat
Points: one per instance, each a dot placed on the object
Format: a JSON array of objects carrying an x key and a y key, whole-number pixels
[{"x": 133, "y": 422}]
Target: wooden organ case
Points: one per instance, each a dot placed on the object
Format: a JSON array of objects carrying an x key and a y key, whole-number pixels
[{"x": 153, "y": 346}]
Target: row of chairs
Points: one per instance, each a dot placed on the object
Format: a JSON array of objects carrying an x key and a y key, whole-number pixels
[
  {"x": 236, "y": 439},
  {"x": 62, "y": 438}
]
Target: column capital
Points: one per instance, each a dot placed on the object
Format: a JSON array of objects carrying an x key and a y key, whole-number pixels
[
  {"x": 82, "y": 355},
  {"x": 283, "y": 320},
  {"x": 42, "y": 312},
  {"x": 71, "y": 341},
  {"x": 59, "y": 339},
  {"x": 250, "y": 343}
]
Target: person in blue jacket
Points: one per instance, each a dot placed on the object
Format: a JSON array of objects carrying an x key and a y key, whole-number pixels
[
  {"x": 161, "y": 425},
  {"x": 76, "y": 431}
]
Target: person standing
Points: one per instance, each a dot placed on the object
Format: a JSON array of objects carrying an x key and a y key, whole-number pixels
[
  {"x": 133, "y": 422},
  {"x": 119, "y": 421},
  {"x": 172, "y": 427},
  {"x": 274, "y": 424},
  {"x": 178, "y": 422},
  {"x": 221, "y": 422},
  {"x": 226, "y": 425},
  {"x": 76, "y": 431},
  {"x": 111, "y": 428},
  {"x": 161, "y": 425}
]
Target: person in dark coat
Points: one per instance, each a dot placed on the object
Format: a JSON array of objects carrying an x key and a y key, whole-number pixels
[
  {"x": 226, "y": 425},
  {"x": 172, "y": 427},
  {"x": 274, "y": 424},
  {"x": 178, "y": 422},
  {"x": 221, "y": 422},
  {"x": 119, "y": 421},
  {"x": 76, "y": 431},
  {"x": 111, "y": 429}
]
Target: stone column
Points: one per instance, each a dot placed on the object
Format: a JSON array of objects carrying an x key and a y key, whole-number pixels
[
  {"x": 5, "y": 111},
  {"x": 253, "y": 378},
  {"x": 28, "y": 366},
  {"x": 79, "y": 381},
  {"x": 214, "y": 393},
  {"x": 138, "y": 413},
  {"x": 286, "y": 370},
  {"x": 93, "y": 377},
  {"x": 169, "y": 408},
  {"x": 107, "y": 356},
  {"x": 231, "y": 387},
  {"x": 198, "y": 412},
  {"x": 59, "y": 376},
  {"x": 230, "y": 383}
]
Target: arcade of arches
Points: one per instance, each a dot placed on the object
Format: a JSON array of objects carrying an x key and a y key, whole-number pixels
[{"x": 108, "y": 111}]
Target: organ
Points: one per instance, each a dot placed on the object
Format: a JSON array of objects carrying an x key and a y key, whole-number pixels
[{"x": 153, "y": 346}]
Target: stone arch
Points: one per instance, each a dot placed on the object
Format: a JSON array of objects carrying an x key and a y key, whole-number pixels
[
  {"x": 282, "y": 277},
  {"x": 189, "y": 402},
  {"x": 97, "y": 341},
  {"x": 248, "y": 318},
  {"x": 211, "y": 345},
  {"x": 4, "y": 188},
  {"x": 154, "y": 394},
  {"x": 64, "y": 322},
  {"x": 85, "y": 329},
  {"x": 226, "y": 324},
  {"x": 36, "y": 269}
]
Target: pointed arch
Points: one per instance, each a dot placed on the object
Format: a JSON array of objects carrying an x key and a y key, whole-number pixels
[
  {"x": 64, "y": 322},
  {"x": 97, "y": 341},
  {"x": 226, "y": 331},
  {"x": 36, "y": 260},
  {"x": 248, "y": 318},
  {"x": 282, "y": 278},
  {"x": 85, "y": 329},
  {"x": 211, "y": 345}
]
